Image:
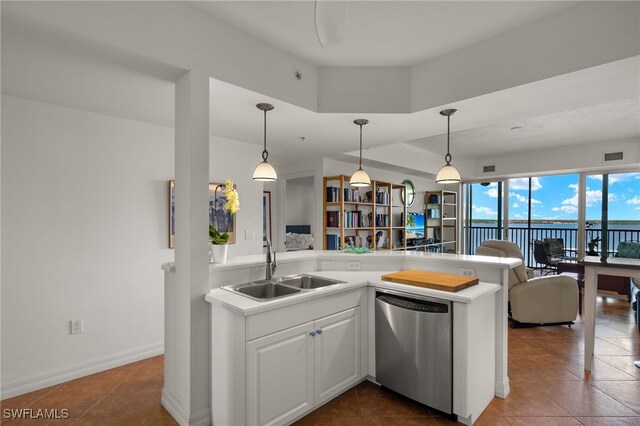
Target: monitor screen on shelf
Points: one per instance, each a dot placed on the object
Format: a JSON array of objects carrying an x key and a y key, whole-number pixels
[{"x": 417, "y": 230}]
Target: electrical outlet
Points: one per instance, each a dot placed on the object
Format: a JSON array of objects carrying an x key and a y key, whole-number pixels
[
  {"x": 353, "y": 266},
  {"x": 467, "y": 272},
  {"x": 327, "y": 265},
  {"x": 249, "y": 234},
  {"x": 76, "y": 326}
]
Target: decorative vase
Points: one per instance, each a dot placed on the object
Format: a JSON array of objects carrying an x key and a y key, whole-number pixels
[{"x": 219, "y": 253}]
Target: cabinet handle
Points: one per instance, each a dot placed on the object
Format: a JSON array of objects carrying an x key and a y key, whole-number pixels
[
  {"x": 312, "y": 334},
  {"x": 319, "y": 331}
]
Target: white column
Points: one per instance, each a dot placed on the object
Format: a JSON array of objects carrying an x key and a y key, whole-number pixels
[
  {"x": 505, "y": 210},
  {"x": 502, "y": 337},
  {"x": 186, "y": 389},
  {"x": 582, "y": 215}
]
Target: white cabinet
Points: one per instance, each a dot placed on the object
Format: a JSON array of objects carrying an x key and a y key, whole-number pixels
[
  {"x": 280, "y": 376},
  {"x": 291, "y": 371},
  {"x": 337, "y": 354}
]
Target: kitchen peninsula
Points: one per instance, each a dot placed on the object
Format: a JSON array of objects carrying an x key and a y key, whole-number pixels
[{"x": 250, "y": 339}]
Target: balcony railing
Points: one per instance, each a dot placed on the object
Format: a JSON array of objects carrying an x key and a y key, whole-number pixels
[{"x": 524, "y": 236}]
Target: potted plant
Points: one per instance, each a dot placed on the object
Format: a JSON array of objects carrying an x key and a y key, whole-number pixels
[{"x": 218, "y": 241}]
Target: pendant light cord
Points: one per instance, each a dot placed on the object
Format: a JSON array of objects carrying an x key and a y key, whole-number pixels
[
  {"x": 360, "y": 165},
  {"x": 447, "y": 157},
  {"x": 265, "y": 154}
]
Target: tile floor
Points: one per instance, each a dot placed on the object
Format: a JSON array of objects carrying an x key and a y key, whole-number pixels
[
  {"x": 548, "y": 383},
  {"x": 126, "y": 396},
  {"x": 548, "y": 386}
]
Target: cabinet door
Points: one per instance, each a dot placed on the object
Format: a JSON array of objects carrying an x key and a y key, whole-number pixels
[
  {"x": 337, "y": 354},
  {"x": 280, "y": 376}
]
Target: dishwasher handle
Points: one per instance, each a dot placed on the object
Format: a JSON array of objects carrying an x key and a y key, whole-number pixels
[{"x": 413, "y": 304}]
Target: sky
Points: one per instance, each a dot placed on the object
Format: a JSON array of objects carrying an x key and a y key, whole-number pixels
[{"x": 556, "y": 197}]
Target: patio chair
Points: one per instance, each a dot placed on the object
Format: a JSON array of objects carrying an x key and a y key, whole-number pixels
[
  {"x": 548, "y": 252},
  {"x": 534, "y": 301}
]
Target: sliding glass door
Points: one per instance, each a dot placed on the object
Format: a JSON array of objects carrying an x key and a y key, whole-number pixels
[{"x": 553, "y": 207}]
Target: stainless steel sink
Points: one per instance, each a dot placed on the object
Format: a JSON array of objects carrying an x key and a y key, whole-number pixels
[
  {"x": 305, "y": 281},
  {"x": 263, "y": 290},
  {"x": 281, "y": 287}
]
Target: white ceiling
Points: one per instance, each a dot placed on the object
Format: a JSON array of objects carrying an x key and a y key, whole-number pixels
[
  {"x": 377, "y": 33},
  {"x": 592, "y": 105}
]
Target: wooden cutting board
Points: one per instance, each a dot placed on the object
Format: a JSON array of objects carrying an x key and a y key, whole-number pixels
[{"x": 435, "y": 280}]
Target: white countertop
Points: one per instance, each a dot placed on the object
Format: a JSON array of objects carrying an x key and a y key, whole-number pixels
[
  {"x": 354, "y": 279},
  {"x": 294, "y": 256}
]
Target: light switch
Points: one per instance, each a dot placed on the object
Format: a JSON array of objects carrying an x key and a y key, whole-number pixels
[{"x": 249, "y": 234}]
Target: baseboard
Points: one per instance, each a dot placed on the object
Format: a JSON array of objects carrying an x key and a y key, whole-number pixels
[
  {"x": 39, "y": 381},
  {"x": 180, "y": 414},
  {"x": 203, "y": 418},
  {"x": 174, "y": 407},
  {"x": 503, "y": 389}
]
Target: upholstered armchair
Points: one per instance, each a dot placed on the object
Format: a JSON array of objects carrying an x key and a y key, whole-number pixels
[{"x": 543, "y": 300}]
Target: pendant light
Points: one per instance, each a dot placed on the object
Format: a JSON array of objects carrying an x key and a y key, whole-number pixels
[
  {"x": 264, "y": 171},
  {"x": 448, "y": 173},
  {"x": 360, "y": 177}
]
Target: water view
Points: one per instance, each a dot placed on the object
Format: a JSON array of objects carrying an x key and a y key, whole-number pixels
[{"x": 551, "y": 202}]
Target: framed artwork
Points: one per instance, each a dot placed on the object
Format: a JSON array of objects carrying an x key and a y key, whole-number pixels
[
  {"x": 266, "y": 217},
  {"x": 219, "y": 217},
  {"x": 172, "y": 214}
]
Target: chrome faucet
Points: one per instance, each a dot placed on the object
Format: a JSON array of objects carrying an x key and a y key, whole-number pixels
[{"x": 271, "y": 265}]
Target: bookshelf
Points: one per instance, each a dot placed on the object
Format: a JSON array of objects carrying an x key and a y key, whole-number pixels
[
  {"x": 441, "y": 222},
  {"x": 370, "y": 217}
]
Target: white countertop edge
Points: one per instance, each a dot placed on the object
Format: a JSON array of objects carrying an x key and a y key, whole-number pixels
[
  {"x": 246, "y": 306},
  {"x": 258, "y": 259}
]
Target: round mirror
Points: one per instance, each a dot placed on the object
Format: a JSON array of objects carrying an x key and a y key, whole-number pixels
[{"x": 410, "y": 191}]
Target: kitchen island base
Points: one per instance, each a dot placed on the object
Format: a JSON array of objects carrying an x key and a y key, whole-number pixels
[{"x": 274, "y": 366}]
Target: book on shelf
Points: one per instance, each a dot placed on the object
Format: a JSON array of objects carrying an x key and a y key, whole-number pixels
[
  {"x": 352, "y": 195},
  {"x": 333, "y": 193},
  {"x": 354, "y": 219},
  {"x": 333, "y": 242},
  {"x": 433, "y": 213},
  {"x": 434, "y": 199},
  {"x": 382, "y": 220},
  {"x": 382, "y": 197},
  {"x": 333, "y": 218}
]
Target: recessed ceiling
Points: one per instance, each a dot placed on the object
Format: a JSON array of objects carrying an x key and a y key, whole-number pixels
[
  {"x": 553, "y": 112},
  {"x": 591, "y": 124},
  {"x": 377, "y": 33}
]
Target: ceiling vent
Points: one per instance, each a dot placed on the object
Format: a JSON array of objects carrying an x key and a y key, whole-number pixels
[
  {"x": 613, "y": 156},
  {"x": 488, "y": 169}
]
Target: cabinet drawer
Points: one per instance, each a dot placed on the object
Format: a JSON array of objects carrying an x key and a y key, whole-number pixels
[{"x": 279, "y": 319}]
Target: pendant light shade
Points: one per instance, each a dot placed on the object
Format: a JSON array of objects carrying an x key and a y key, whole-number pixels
[
  {"x": 448, "y": 173},
  {"x": 264, "y": 171},
  {"x": 360, "y": 178}
]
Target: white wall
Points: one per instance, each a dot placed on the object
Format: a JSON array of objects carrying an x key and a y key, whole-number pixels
[
  {"x": 299, "y": 203},
  {"x": 364, "y": 89},
  {"x": 84, "y": 232},
  {"x": 229, "y": 159},
  {"x": 563, "y": 160}
]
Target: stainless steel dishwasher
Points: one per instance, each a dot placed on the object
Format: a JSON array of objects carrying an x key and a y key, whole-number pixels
[{"x": 414, "y": 348}]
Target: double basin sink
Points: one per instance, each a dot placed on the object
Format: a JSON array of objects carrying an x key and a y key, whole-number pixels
[{"x": 281, "y": 287}]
